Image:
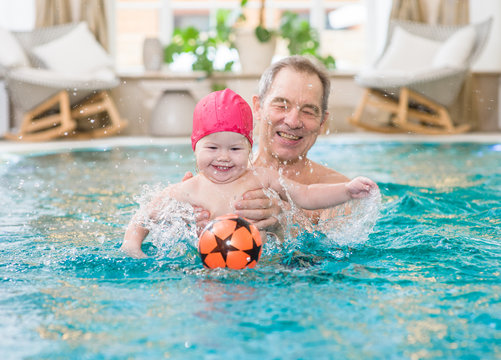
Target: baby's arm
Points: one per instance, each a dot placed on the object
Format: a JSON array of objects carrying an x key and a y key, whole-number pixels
[
  {"x": 136, "y": 232},
  {"x": 133, "y": 239},
  {"x": 321, "y": 196}
]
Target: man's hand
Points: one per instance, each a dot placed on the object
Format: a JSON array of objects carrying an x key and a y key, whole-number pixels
[
  {"x": 258, "y": 208},
  {"x": 187, "y": 176},
  {"x": 202, "y": 217}
]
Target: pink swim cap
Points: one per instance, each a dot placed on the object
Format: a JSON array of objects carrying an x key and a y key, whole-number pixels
[{"x": 221, "y": 111}]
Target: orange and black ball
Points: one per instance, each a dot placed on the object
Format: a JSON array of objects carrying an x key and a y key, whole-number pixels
[{"x": 230, "y": 241}]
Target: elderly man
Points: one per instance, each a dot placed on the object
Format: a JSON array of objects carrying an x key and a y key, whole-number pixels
[{"x": 290, "y": 110}]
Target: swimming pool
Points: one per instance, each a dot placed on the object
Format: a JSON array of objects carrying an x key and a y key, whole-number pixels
[{"x": 425, "y": 284}]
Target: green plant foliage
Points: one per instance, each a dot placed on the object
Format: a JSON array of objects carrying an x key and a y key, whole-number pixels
[
  {"x": 263, "y": 34},
  {"x": 302, "y": 38},
  {"x": 218, "y": 86},
  {"x": 202, "y": 46}
]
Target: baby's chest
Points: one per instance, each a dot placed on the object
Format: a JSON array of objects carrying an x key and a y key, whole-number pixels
[{"x": 220, "y": 200}]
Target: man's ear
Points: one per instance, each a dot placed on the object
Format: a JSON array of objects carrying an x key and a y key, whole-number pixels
[
  {"x": 256, "y": 107},
  {"x": 324, "y": 125},
  {"x": 325, "y": 118}
]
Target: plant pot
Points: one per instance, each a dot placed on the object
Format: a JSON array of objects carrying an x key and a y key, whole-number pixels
[
  {"x": 254, "y": 55},
  {"x": 173, "y": 114}
]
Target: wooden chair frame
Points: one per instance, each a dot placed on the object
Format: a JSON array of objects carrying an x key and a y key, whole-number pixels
[
  {"x": 431, "y": 119},
  {"x": 55, "y": 118},
  {"x": 101, "y": 102},
  {"x": 419, "y": 103},
  {"x": 54, "y": 104}
]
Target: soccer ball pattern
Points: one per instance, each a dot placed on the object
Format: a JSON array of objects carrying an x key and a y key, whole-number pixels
[{"x": 230, "y": 241}]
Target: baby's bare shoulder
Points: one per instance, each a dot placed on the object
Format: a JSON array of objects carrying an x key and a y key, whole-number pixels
[{"x": 259, "y": 170}]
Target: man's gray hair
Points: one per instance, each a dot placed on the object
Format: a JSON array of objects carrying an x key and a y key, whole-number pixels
[{"x": 299, "y": 64}]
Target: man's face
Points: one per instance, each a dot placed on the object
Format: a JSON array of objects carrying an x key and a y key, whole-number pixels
[{"x": 291, "y": 115}]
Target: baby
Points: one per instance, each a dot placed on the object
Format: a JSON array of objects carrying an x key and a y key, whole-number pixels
[{"x": 222, "y": 142}]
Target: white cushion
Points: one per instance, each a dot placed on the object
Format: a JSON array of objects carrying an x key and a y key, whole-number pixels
[
  {"x": 11, "y": 52},
  {"x": 408, "y": 52},
  {"x": 76, "y": 52},
  {"x": 47, "y": 76},
  {"x": 454, "y": 52}
]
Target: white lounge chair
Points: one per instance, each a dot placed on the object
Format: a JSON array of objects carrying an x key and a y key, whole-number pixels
[
  {"x": 61, "y": 90},
  {"x": 419, "y": 75}
]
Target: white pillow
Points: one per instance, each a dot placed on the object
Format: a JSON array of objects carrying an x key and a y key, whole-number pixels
[
  {"x": 11, "y": 53},
  {"x": 454, "y": 52},
  {"x": 408, "y": 52},
  {"x": 76, "y": 52}
]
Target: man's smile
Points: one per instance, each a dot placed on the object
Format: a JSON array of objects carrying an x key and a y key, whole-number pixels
[{"x": 288, "y": 136}]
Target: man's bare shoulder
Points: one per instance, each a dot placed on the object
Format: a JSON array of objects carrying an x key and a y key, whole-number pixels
[{"x": 323, "y": 174}]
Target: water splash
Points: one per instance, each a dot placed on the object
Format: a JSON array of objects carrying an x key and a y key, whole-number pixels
[
  {"x": 347, "y": 226},
  {"x": 352, "y": 222},
  {"x": 172, "y": 224}
]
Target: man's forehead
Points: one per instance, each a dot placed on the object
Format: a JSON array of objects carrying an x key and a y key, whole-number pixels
[
  {"x": 293, "y": 85},
  {"x": 287, "y": 75}
]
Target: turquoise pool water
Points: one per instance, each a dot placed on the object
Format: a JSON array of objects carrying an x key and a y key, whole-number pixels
[{"x": 425, "y": 284}]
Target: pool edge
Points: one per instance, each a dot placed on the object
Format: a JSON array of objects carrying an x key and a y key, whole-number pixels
[{"x": 341, "y": 138}]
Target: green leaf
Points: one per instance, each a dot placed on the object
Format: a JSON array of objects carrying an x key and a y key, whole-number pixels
[
  {"x": 218, "y": 86},
  {"x": 262, "y": 34},
  {"x": 228, "y": 66},
  {"x": 170, "y": 51}
]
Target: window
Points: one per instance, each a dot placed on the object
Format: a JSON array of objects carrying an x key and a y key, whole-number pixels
[
  {"x": 341, "y": 24},
  {"x": 17, "y": 15}
]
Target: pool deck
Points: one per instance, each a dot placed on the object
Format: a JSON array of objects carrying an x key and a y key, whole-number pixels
[{"x": 19, "y": 147}]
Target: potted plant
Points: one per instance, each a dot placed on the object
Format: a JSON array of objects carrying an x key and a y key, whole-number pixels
[
  {"x": 202, "y": 47},
  {"x": 256, "y": 46},
  {"x": 301, "y": 39}
]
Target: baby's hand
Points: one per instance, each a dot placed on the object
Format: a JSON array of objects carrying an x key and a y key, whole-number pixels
[
  {"x": 133, "y": 251},
  {"x": 360, "y": 187}
]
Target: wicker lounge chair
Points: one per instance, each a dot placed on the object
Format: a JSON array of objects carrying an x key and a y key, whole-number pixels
[
  {"x": 57, "y": 103},
  {"x": 417, "y": 99}
]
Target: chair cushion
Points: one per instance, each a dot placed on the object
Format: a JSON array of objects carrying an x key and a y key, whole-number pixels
[
  {"x": 455, "y": 51},
  {"x": 104, "y": 78},
  {"x": 408, "y": 52},
  {"x": 76, "y": 52},
  {"x": 11, "y": 53}
]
